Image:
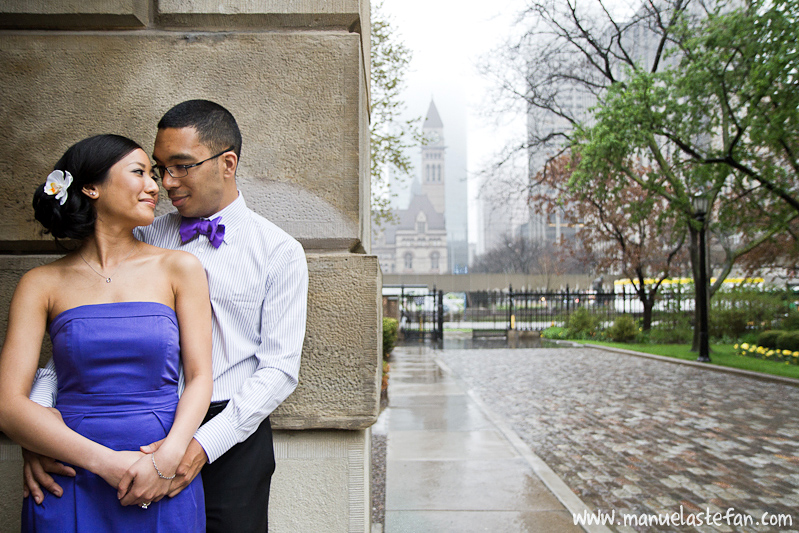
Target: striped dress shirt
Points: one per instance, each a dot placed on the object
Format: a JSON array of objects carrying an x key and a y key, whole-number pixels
[{"x": 258, "y": 281}]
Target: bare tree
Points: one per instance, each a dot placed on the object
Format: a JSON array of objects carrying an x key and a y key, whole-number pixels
[
  {"x": 568, "y": 54},
  {"x": 632, "y": 231},
  {"x": 520, "y": 255}
]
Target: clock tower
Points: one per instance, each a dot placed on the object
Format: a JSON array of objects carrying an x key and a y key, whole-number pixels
[
  {"x": 433, "y": 159},
  {"x": 417, "y": 242}
]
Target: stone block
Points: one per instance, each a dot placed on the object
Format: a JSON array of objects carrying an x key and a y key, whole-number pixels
[
  {"x": 74, "y": 14},
  {"x": 298, "y": 98},
  {"x": 341, "y": 361},
  {"x": 334, "y": 469},
  {"x": 243, "y": 14}
]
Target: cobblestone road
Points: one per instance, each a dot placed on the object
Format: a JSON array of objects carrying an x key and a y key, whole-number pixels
[{"x": 640, "y": 436}]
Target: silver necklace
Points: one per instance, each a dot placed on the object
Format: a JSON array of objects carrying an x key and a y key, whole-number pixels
[{"x": 108, "y": 278}]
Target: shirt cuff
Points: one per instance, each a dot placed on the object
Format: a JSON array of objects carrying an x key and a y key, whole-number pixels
[
  {"x": 216, "y": 437},
  {"x": 42, "y": 393}
]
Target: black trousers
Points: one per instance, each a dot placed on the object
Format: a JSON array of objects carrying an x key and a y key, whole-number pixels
[{"x": 237, "y": 485}]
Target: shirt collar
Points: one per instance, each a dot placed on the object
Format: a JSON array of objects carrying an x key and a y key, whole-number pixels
[{"x": 233, "y": 216}]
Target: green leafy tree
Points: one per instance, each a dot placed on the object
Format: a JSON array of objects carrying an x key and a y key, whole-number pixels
[
  {"x": 736, "y": 83},
  {"x": 703, "y": 93},
  {"x": 712, "y": 121},
  {"x": 741, "y": 217},
  {"x": 391, "y": 136}
]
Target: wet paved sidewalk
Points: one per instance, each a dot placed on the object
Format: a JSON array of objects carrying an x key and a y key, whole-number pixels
[
  {"x": 641, "y": 436},
  {"x": 451, "y": 468}
]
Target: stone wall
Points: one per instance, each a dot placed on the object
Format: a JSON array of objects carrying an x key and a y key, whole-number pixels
[{"x": 295, "y": 75}]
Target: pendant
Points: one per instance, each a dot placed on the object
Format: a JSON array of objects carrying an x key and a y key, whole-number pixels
[{"x": 108, "y": 280}]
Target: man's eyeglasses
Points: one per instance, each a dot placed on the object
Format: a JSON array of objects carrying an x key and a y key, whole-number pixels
[{"x": 181, "y": 171}]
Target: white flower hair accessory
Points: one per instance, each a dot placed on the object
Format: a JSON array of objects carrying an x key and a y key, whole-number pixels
[{"x": 57, "y": 184}]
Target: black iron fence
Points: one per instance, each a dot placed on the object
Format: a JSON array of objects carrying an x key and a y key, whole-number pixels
[
  {"x": 538, "y": 310},
  {"x": 427, "y": 314}
]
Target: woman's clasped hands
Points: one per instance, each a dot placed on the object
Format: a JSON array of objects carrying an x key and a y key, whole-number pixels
[{"x": 136, "y": 477}]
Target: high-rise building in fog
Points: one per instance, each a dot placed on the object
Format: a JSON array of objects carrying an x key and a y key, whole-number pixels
[{"x": 573, "y": 101}]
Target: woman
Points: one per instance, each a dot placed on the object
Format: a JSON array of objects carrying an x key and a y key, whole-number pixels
[{"x": 112, "y": 308}]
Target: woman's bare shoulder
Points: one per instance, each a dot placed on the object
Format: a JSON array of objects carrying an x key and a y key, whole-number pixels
[
  {"x": 53, "y": 272},
  {"x": 40, "y": 282}
]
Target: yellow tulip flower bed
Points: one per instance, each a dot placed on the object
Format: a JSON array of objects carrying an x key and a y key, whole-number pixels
[{"x": 767, "y": 354}]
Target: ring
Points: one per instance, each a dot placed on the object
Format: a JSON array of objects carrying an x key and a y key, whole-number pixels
[{"x": 145, "y": 505}]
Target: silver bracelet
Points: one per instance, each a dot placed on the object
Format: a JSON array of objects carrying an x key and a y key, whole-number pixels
[{"x": 162, "y": 476}]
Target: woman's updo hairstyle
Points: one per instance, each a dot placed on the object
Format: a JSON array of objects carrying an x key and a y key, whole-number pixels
[{"x": 88, "y": 161}]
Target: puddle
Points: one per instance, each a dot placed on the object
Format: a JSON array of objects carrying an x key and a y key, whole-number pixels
[
  {"x": 479, "y": 343},
  {"x": 459, "y": 340}
]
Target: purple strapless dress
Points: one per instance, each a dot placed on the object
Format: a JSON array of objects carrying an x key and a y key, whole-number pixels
[{"x": 118, "y": 369}]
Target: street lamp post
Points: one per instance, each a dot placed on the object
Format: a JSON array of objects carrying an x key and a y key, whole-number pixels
[{"x": 700, "y": 205}]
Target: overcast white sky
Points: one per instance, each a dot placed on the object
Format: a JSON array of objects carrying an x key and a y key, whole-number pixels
[{"x": 447, "y": 39}]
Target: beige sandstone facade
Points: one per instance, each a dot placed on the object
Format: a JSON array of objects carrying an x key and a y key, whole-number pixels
[{"x": 295, "y": 73}]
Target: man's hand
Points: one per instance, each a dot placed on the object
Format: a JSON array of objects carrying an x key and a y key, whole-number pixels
[
  {"x": 36, "y": 472},
  {"x": 193, "y": 461}
]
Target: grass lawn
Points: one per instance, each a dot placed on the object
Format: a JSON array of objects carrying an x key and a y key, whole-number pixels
[{"x": 720, "y": 354}]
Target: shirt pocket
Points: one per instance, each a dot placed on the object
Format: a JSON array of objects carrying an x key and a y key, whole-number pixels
[
  {"x": 238, "y": 307},
  {"x": 238, "y": 288}
]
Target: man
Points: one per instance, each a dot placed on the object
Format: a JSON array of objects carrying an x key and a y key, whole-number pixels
[{"x": 258, "y": 280}]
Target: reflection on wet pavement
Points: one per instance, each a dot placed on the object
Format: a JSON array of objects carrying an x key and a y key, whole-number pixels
[
  {"x": 468, "y": 341},
  {"x": 449, "y": 469}
]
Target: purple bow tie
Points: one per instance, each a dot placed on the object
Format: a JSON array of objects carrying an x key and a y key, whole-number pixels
[{"x": 191, "y": 227}]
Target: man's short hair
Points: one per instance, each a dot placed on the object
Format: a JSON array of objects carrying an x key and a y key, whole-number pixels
[{"x": 215, "y": 125}]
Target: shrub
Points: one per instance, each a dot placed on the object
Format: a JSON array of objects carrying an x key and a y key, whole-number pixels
[
  {"x": 390, "y": 327},
  {"x": 581, "y": 324},
  {"x": 760, "y": 309},
  {"x": 768, "y": 338},
  {"x": 730, "y": 323},
  {"x": 750, "y": 337},
  {"x": 384, "y": 383},
  {"x": 676, "y": 331},
  {"x": 554, "y": 332},
  {"x": 791, "y": 321},
  {"x": 789, "y": 340},
  {"x": 624, "y": 329}
]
